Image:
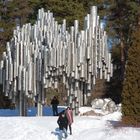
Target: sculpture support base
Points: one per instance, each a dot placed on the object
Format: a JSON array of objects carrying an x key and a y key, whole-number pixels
[{"x": 39, "y": 109}]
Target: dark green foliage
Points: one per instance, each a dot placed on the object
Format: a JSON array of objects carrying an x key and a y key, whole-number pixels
[
  {"x": 22, "y": 11},
  {"x": 12, "y": 13},
  {"x": 131, "y": 85},
  {"x": 68, "y": 9},
  {"x": 122, "y": 20}
]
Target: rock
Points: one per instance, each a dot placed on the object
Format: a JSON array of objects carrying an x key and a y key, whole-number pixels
[
  {"x": 106, "y": 105},
  {"x": 97, "y": 103},
  {"x": 91, "y": 113}
]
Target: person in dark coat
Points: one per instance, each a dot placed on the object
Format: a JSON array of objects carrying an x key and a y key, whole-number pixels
[
  {"x": 63, "y": 123},
  {"x": 54, "y": 103}
]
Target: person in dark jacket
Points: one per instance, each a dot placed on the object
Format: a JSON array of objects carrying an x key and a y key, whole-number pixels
[
  {"x": 63, "y": 123},
  {"x": 54, "y": 103}
]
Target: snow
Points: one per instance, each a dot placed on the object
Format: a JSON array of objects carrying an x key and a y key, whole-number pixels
[{"x": 46, "y": 128}]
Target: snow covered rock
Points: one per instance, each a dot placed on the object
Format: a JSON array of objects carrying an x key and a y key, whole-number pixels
[
  {"x": 119, "y": 107},
  {"x": 106, "y": 105}
]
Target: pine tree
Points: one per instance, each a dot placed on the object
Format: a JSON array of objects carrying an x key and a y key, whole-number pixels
[
  {"x": 122, "y": 17},
  {"x": 131, "y": 85},
  {"x": 12, "y": 13}
]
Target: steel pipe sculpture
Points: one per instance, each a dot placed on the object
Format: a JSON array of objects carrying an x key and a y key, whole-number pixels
[{"x": 38, "y": 55}]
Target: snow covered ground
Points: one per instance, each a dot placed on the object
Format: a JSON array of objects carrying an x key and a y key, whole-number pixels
[{"x": 46, "y": 128}]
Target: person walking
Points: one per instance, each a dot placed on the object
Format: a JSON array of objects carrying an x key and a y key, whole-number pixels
[
  {"x": 63, "y": 123},
  {"x": 54, "y": 103},
  {"x": 69, "y": 115}
]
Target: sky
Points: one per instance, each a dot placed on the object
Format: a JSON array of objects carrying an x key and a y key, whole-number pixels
[{"x": 13, "y": 127}]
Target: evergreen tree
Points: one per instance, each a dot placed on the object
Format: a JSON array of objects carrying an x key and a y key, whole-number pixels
[
  {"x": 122, "y": 18},
  {"x": 131, "y": 85},
  {"x": 12, "y": 13},
  {"x": 122, "y": 22},
  {"x": 125, "y": 17},
  {"x": 66, "y": 9}
]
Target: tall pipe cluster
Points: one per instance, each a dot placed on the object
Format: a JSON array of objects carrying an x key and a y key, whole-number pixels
[{"x": 39, "y": 55}]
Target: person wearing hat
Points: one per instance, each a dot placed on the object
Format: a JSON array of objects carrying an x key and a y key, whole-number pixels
[{"x": 63, "y": 123}]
